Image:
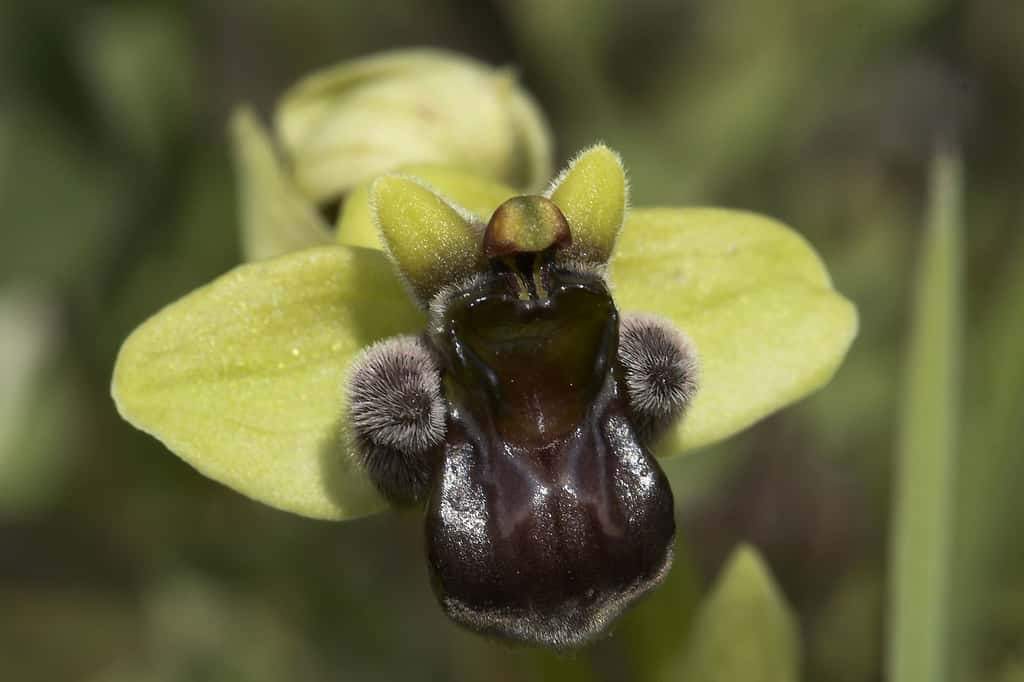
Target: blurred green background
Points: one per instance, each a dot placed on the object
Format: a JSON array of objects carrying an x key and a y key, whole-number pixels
[{"x": 118, "y": 562}]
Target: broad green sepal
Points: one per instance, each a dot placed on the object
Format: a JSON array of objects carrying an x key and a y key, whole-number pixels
[
  {"x": 478, "y": 195},
  {"x": 754, "y": 297},
  {"x": 276, "y": 218},
  {"x": 744, "y": 630},
  {"x": 592, "y": 193},
  {"x": 347, "y": 124},
  {"x": 432, "y": 242},
  {"x": 244, "y": 378}
]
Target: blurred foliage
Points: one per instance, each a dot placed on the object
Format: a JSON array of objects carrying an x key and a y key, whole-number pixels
[{"x": 117, "y": 562}]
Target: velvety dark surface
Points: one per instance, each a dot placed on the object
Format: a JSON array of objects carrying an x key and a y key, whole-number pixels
[{"x": 547, "y": 516}]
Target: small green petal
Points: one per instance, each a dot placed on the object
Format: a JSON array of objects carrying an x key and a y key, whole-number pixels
[
  {"x": 243, "y": 378},
  {"x": 754, "y": 297},
  {"x": 431, "y": 241},
  {"x": 592, "y": 193},
  {"x": 276, "y": 218},
  {"x": 474, "y": 193},
  {"x": 744, "y": 631}
]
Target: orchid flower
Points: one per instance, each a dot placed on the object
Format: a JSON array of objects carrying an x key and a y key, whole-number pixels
[{"x": 512, "y": 363}]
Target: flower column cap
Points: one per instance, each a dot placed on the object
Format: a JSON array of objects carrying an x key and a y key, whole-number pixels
[{"x": 526, "y": 224}]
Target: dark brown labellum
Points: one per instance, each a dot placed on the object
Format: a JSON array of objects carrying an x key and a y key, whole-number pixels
[{"x": 547, "y": 516}]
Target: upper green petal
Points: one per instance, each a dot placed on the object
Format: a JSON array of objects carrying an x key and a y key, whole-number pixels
[
  {"x": 432, "y": 241},
  {"x": 754, "y": 297},
  {"x": 276, "y": 219},
  {"x": 244, "y": 378},
  {"x": 592, "y": 193}
]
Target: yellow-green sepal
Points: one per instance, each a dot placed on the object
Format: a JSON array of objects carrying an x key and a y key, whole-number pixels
[
  {"x": 752, "y": 295},
  {"x": 592, "y": 193},
  {"x": 432, "y": 241},
  {"x": 478, "y": 195},
  {"x": 275, "y": 217},
  {"x": 244, "y": 378}
]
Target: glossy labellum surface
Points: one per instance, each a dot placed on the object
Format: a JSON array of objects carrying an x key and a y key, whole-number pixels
[{"x": 547, "y": 515}]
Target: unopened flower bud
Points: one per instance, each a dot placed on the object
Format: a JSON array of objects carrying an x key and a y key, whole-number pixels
[{"x": 347, "y": 124}]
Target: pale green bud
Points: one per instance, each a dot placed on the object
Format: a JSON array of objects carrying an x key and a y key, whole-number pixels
[
  {"x": 345, "y": 125},
  {"x": 352, "y": 122}
]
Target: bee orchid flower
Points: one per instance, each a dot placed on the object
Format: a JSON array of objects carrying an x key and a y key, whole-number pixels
[{"x": 513, "y": 364}]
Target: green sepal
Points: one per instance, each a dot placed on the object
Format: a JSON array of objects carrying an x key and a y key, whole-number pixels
[
  {"x": 752, "y": 295},
  {"x": 744, "y": 630},
  {"x": 244, "y": 378},
  {"x": 275, "y": 218}
]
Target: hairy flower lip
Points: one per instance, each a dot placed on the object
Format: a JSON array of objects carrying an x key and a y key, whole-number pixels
[
  {"x": 584, "y": 624},
  {"x": 548, "y": 517}
]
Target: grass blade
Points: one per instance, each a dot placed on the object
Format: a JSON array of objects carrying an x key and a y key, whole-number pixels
[{"x": 923, "y": 509}]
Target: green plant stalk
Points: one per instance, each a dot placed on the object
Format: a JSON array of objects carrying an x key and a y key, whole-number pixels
[{"x": 919, "y": 626}]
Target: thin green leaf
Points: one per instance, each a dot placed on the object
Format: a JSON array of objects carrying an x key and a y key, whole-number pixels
[
  {"x": 244, "y": 378},
  {"x": 754, "y": 297},
  {"x": 744, "y": 630},
  {"x": 921, "y": 558}
]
